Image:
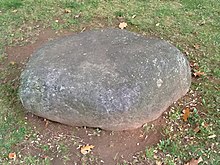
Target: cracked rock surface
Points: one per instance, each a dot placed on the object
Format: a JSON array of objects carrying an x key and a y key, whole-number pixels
[{"x": 112, "y": 79}]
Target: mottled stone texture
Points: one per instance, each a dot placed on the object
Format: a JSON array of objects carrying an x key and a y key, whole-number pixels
[{"x": 112, "y": 79}]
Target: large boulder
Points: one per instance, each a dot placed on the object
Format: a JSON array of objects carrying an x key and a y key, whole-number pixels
[{"x": 111, "y": 79}]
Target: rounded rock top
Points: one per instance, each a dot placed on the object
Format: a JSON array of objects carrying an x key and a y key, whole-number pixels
[{"x": 112, "y": 79}]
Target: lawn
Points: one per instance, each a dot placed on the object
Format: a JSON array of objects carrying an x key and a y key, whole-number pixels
[{"x": 191, "y": 25}]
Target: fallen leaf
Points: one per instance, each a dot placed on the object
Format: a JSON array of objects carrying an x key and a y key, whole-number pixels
[
  {"x": 195, "y": 32},
  {"x": 205, "y": 125},
  {"x": 77, "y": 16},
  {"x": 123, "y": 25},
  {"x": 133, "y": 16},
  {"x": 202, "y": 23},
  {"x": 197, "y": 129},
  {"x": 194, "y": 65},
  {"x": 158, "y": 162},
  {"x": 186, "y": 113},
  {"x": 194, "y": 161},
  {"x": 67, "y": 11},
  {"x": 44, "y": 156},
  {"x": 186, "y": 52},
  {"x": 212, "y": 136},
  {"x": 12, "y": 63},
  {"x": 198, "y": 74},
  {"x": 46, "y": 122},
  {"x": 196, "y": 46},
  {"x": 86, "y": 149},
  {"x": 12, "y": 155}
]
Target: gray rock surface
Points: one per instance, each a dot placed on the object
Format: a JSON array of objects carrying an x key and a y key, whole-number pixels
[{"x": 112, "y": 79}]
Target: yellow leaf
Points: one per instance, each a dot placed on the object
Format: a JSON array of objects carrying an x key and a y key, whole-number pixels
[
  {"x": 86, "y": 149},
  {"x": 123, "y": 25},
  {"x": 12, "y": 63},
  {"x": 67, "y": 11},
  {"x": 186, "y": 114},
  {"x": 12, "y": 155}
]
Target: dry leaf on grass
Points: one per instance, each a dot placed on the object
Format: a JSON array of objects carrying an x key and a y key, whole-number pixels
[
  {"x": 12, "y": 155},
  {"x": 67, "y": 11},
  {"x": 205, "y": 125},
  {"x": 196, "y": 46},
  {"x": 158, "y": 162},
  {"x": 77, "y": 15},
  {"x": 123, "y": 25},
  {"x": 44, "y": 156},
  {"x": 133, "y": 16},
  {"x": 187, "y": 53},
  {"x": 186, "y": 113},
  {"x": 86, "y": 149},
  {"x": 194, "y": 65},
  {"x": 212, "y": 136},
  {"x": 197, "y": 129},
  {"x": 198, "y": 74},
  {"x": 12, "y": 63},
  {"x": 194, "y": 161}
]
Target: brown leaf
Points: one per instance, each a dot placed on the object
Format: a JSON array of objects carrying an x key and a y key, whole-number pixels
[
  {"x": 123, "y": 25},
  {"x": 198, "y": 74},
  {"x": 12, "y": 155},
  {"x": 196, "y": 46},
  {"x": 158, "y": 162},
  {"x": 186, "y": 113},
  {"x": 67, "y": 11},
  {"x": 194, "y": 65},
  {"x": 86, "y": 149},
  {"x": 44, "y": 156},
  {"x": 12, "y": 62},
  {"x": 205, "y": 125},
  {"x": 197, "y": 129},
  {"x": 194, "y": 161},
  {"x": 46, "y": 123}
]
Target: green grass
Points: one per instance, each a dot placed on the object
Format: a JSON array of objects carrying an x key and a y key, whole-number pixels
[
  {"x": 185, "y": 23},
  {"x": 11, "y": 4},
  {"x": 149, "y": 152},
  {"x": 12, "y": 123}
]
